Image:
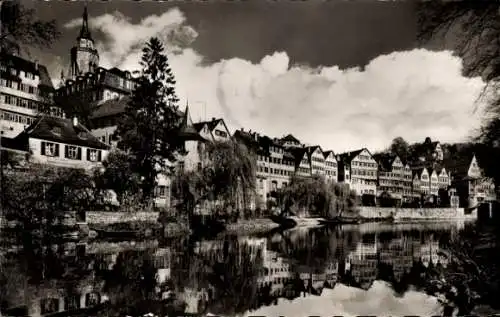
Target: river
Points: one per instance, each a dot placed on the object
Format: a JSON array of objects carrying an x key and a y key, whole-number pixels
[{"x": 368, "y": 269}]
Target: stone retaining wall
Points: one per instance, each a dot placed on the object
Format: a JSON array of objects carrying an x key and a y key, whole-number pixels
[
  {"x": 106, "y": 217},
  {"x": 415, "y": 213}
]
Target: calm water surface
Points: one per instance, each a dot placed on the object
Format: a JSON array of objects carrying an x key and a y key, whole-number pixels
[{"x": 369, "y": 269}]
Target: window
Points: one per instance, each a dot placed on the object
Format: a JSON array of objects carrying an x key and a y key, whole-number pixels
[
  {"x": 92, "y": 299},
  {"x": 93, "y": 155},
  {"x": 49, "y": 305},
  {"x": 181, "y": 166},
  {"x": 50, "y": 149},
  {"x": 72, "y": 302},
  {"x": 56, "y": 130},
  {"x": 220, "y": 133},
  {"x": 161, "y": 191},
  {"x": 73, "y": 152}
]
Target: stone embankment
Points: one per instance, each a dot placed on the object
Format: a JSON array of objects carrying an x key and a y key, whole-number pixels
[{"x": 402, "y": 214}]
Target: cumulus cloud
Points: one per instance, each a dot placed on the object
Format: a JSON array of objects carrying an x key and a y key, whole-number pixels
[
  {"x": 412, "y": 94},
  {"x": 379, "y": 300}
]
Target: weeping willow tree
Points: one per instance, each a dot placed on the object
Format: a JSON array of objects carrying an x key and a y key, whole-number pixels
[
  {"x": 317, "y": 196},
  {"x": 227, "y": 180}
]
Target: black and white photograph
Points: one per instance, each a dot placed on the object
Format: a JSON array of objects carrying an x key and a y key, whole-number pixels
[{"x": 277, "y": 158}]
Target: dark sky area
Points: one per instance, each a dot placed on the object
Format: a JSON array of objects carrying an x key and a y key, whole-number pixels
[{"x": 343, "y": 33}]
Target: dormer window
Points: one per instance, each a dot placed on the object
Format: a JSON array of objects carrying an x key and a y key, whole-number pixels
[
  {"x": 82, "y": 135},
  {"x": 57, "y": 130}
]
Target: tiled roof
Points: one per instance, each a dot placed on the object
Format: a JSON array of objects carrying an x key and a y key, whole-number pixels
[
  {"x": 19, "y": 63},
  {"x": 290, "y": 138},
  {"x": 417, "y": 172},
  {"x": 312, "y": 148},
  {"x": 347, "y": 157},
  {"x": 210, "y": 124},
  {"x": 459, "y": 165},
  {"x": 44, "y": 128},
  {"x": 327, "y": 153},
  {"x": 298, "y": 154},
  {"x": 385, "y": 160},
  {"x": 111, "y": 108},
  {"x": 115, "y": 107}
]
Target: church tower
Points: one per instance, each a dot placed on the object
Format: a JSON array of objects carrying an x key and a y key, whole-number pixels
[{"x": 84, "y": 56}]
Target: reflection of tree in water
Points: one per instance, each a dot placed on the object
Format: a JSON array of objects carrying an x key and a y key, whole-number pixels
[
  {"x": 315, "y": 247},
  {"x": 39, "y": 266},
  {"x": 227, "y": 273}
]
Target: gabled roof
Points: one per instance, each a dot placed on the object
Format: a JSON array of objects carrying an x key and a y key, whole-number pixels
[
  {"x": 385, "y": 160},
  {"x": 418, "y": 172},
  {"x": 347, "y": 157},
  {"x": 311, "y": 149},
  {"x": 298, "y": 154},
  {"x": 328, "y": 153},
  {"x": 210, "y": 124},
  {"x": 43, "y": 128},
  {"x": 459, "y": 165},
  {"x": 16, "y": 62},
  {"x": 290, "y": 138}
]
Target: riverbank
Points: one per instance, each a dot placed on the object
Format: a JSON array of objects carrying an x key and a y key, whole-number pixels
[{"x": 251, "y": 226}]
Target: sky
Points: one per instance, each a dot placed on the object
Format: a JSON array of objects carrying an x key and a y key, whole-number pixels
[
  {"x": 344, "y": 75},
  {"x": 378, "y": 300}
]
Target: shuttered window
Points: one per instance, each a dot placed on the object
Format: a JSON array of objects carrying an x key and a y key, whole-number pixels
[
  {"x": 94, "y": 155},
  {"x": 73, "y": 152},
  {"x": 50, "y": 149}
]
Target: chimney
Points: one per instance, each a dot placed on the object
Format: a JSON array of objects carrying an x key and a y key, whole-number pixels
[
  {"x": 36, "y": 64},
  {"x": 75, "y": 121},
  {"x": 213, "y": 118}
]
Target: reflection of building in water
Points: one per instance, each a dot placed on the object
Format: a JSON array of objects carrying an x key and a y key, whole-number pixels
[
  {"x": 399, "y": 254},
  {"x": 315, "y": 281},
  {"x": 162, "y": 261},
  {"x": 430, "y": 253},
  {"x": 276, "y": 272},
  {"x": 194, "y": 299},
  {"x": 362, "y": 264},
  {"x": 53, "y": 297},
  {"x": 215, "y": 248}
]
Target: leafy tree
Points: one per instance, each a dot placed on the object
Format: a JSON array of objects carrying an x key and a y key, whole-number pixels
[
  {"x": 150, "y": 124},
  {"x": 41, "y": 197},
  {"x": 400, "y": 147},
  {"x": 19, "y": 27},
  {"x": 318, "y": 196},
  {"x": 118, "y": 175},
  {"x": 474, "y": 30},
  {"x": 228, "y": 178},
  {"x": 233, "y": 172}
]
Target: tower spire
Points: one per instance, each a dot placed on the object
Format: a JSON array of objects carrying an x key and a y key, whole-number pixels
[{"x": 84, "y": 31}]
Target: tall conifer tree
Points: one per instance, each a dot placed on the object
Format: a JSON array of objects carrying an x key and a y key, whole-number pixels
[{"x": 150, "y": 125}]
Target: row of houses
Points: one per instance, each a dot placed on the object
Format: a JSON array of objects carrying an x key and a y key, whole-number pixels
[{"x": 59, "y": 139}]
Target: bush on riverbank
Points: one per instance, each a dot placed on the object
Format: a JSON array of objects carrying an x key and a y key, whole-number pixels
[
  {"x": 41, "y": 196},
  {"x": 472, "y": 276}
]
